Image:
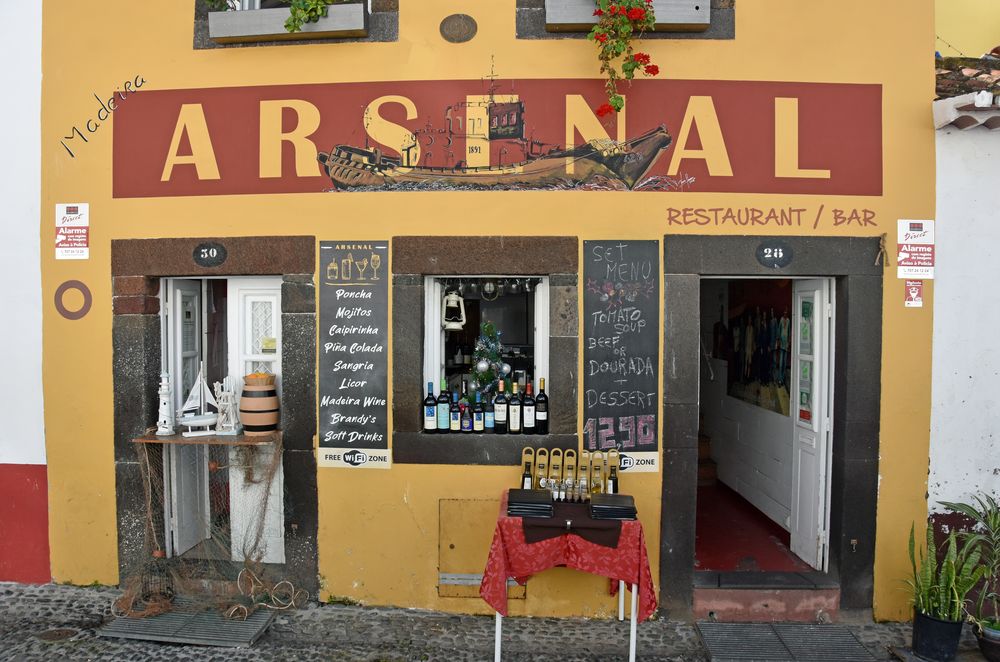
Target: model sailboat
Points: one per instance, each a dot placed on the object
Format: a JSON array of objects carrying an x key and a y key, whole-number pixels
[{"x": 194, "y": 413}]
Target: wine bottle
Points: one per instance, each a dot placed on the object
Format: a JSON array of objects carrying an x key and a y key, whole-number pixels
[
  {"x": 478, "y": 424},
  {"x": 500, "y": 410},
  {"x": 528, "y": 412},
  {"x": 430, "y": 409},
  {"x": 613, "y": 480},
  {"x": 454, "y": 414},
  {"x": 489, "y": 416},
  {"x": 443, "y": 407},
  {"x": 466, "y": 418},
  {"x": 526, "y": 477},
  {"x": 514, "y": 411},
  {"x": 541, "y": 409}
]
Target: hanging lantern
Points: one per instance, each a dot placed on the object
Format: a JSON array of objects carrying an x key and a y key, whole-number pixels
[{"x": 453, "y": 312}]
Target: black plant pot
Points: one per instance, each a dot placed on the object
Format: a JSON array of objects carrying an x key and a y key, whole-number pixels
[
  {"x": 934, "y": 639},
  {"x": 990, "y": 648}
]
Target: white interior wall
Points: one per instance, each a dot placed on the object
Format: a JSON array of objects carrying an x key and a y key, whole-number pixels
[
  {"x": 965, "y": 400},
  {"x": 22, "y": 438},
  {"x": 751, "y": 445}
]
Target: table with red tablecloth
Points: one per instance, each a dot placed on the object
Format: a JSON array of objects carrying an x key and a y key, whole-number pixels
[{"x": 511, "y": 556}]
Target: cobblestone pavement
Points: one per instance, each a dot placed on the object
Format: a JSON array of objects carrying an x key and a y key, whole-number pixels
[{"x": 366, "y": 634}]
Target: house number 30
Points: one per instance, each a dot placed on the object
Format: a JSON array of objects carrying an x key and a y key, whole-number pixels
[{"x": 209, "y": 254}]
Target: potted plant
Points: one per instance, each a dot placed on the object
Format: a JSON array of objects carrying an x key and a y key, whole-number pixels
[
  {"x": 619, "y": 22},
  {"x": 286, "y": 19},
  {"x": 984, "y": 536},
  {"x": 939, "y": 594}
]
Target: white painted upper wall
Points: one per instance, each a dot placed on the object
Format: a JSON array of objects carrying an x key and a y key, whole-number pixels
[
  {"x": 965, "y": 400},
  {"x": 22, "y": 439}
]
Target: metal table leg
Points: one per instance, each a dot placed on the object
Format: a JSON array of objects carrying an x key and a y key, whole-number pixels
[
  {"x": 621, "y": 600},
  {"x": 632, "y": 625},
  {"x": 496, "y": 639}
]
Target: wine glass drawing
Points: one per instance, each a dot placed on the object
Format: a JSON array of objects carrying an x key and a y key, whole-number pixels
[
  {"x": 362, "y": 265},
  {"x": 376, "y": 263}
]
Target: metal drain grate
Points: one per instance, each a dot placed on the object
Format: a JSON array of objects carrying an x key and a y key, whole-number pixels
[
  {"x": 200, "y": 628},
  {"x": 765, "y": 642}
]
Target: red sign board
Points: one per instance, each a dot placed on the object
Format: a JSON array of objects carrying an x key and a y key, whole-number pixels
[{"x": 717, "y": 136}]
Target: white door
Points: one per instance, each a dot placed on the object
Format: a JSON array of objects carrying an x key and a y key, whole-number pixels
[
  {"x": 188, "y": 517},
  {"x": 256, "y": 504},
  {"x": 812, "y": 340}
]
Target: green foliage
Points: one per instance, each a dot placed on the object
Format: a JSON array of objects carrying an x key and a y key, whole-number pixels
[
  {"x": 619, "y": 21},
  {"x": 984, "y": 538},
  {"x": 305, "y": 11},
  {"x": 489, "y": 349},
  {"x": 940, "y": 587},
  {"x": 218, "y": 5}
]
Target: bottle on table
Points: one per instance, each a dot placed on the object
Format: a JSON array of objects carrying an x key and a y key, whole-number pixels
[
  {"x": 429, "y": 408},
  {"x": 541, "y": 476},
  {"x": 478, "y": 415},
  {"x": 514, "y": 411},
  {"x": 526, "y": 478},
  {"x": 466, "y": 418},
  {"x": 443, "y": 408},
  {"x": 528, "y": 411},
  {"x": 500, "y": 410},
  {"x": 541, "y": 409},
  {"x": 454, "y": 414},
  {"x": 613, "y": 480}
]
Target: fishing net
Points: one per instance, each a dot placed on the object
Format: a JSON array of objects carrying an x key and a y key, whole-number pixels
[{"x": 213, "y": 532}]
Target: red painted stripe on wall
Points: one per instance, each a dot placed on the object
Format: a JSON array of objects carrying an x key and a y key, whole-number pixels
[{"x": 24, "y": 523}]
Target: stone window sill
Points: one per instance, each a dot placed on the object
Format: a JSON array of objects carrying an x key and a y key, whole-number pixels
[
  {"x": 671, "y": 15},
  {"x": 477, "y": 449},
  {"x": 257, "y": 25}
]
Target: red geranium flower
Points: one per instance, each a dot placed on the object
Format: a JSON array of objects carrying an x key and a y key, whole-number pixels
[
  {"x": 651, "y": 70},
  {"x": 600, "y": 37},
  {"x": 606, "y": 109},
  {"x": 613, "y": 9},
  {"x": 637, "y": 13},
  {"x": 598, "y": 12},
  {"x": 641, "y": 58}
]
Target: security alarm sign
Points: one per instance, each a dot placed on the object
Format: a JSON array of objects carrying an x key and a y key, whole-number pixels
[
  {"x": 72, "y": 231},
  {"x": 915, "y": 249}
]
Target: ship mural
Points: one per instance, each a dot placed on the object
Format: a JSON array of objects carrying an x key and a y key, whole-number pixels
[{"x": 523, "y": 162}]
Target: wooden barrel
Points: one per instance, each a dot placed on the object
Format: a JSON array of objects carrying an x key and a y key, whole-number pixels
[{"x": 259, "y": 410}]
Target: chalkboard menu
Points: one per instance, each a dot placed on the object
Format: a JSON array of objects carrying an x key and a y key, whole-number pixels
[
  {"x": 621, "y": 355},
  {"x": 353, "y": 355}
]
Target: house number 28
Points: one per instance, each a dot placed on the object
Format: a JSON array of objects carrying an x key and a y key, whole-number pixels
[{"x": 774, "y": 254}]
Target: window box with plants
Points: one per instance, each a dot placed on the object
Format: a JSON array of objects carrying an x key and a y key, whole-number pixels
[
  {"x": 671, "y": 15},
  {"x": 232, "y": 21}
]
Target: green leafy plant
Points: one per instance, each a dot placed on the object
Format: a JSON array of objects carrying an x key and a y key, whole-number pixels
[
  {"x": 985, "y": 538},
  {"x": 618, "y": 23},
  {"x": 300, "y": 11},
  {"x": 940, "y": 588}
]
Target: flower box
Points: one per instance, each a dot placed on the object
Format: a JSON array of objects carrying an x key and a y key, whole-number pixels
[
  {"x": 671, "y": 15},
  {"x": 342, "y": 20}
]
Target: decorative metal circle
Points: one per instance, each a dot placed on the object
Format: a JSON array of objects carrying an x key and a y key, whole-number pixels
[
  {"x": 61, "y": 291},
  {"x": 209, "y": 254},
  {"x": 774, "y": 254},
  {"x": 458, "y": 28}
]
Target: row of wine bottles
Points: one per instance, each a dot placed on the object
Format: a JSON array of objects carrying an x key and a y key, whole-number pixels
[
  {"x": 567, "y": 480},
  {"x": 503, "y": 414}
]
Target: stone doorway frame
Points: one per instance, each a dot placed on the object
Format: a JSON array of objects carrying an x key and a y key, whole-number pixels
[{"x": 855, "y": 265}]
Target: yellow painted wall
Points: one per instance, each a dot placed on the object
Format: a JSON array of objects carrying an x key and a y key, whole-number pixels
[
  {"x": 967, "y": 27},
  {"x": 385, "y": 551}
]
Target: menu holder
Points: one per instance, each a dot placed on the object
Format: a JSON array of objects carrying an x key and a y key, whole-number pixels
[{"x": 612, "y": 506}]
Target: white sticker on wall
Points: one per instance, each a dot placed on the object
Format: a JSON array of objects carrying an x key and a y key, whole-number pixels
[
  {"x": 915, "y": 249},
  {"x": 72, "y": 231}
]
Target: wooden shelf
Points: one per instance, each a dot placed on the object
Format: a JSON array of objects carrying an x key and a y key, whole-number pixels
[{"x": 211, "y": 440}]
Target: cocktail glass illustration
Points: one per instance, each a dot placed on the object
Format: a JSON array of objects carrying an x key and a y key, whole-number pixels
[
  {"x": 362, "y": 265},
  {"x": 376, "y": 263}
]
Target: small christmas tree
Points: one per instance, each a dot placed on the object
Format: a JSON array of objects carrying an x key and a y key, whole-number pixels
[{"x": 487, "y": 365}]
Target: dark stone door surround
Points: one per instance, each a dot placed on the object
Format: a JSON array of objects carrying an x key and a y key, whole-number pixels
[
  {"x": 136, "y": 267},
  {"x": 854, "y": 263}
]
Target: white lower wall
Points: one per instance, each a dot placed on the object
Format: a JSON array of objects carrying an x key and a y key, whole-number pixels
[
  {"x": 965, "y": 401},
  {"x": 751, "y": 445},
  {"x": 22, "y": 438}
]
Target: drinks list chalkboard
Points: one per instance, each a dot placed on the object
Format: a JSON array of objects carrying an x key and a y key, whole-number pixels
[
  {"x": 621, "y": 355},
  {"x": 353, "y": 354}
]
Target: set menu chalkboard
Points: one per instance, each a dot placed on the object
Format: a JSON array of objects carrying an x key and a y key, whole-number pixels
[
  {"x": 621, "y": 356},
  {"x": 353, "y": 355}
]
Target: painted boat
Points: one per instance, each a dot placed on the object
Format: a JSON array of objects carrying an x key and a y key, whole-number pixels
[{"x": 624, "y": 162}]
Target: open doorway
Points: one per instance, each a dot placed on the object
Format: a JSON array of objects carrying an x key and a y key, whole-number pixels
[{"x": 765, "y": 432}]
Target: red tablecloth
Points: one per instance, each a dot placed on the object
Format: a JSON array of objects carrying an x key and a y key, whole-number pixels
[{"x": 511, "y": 556}]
